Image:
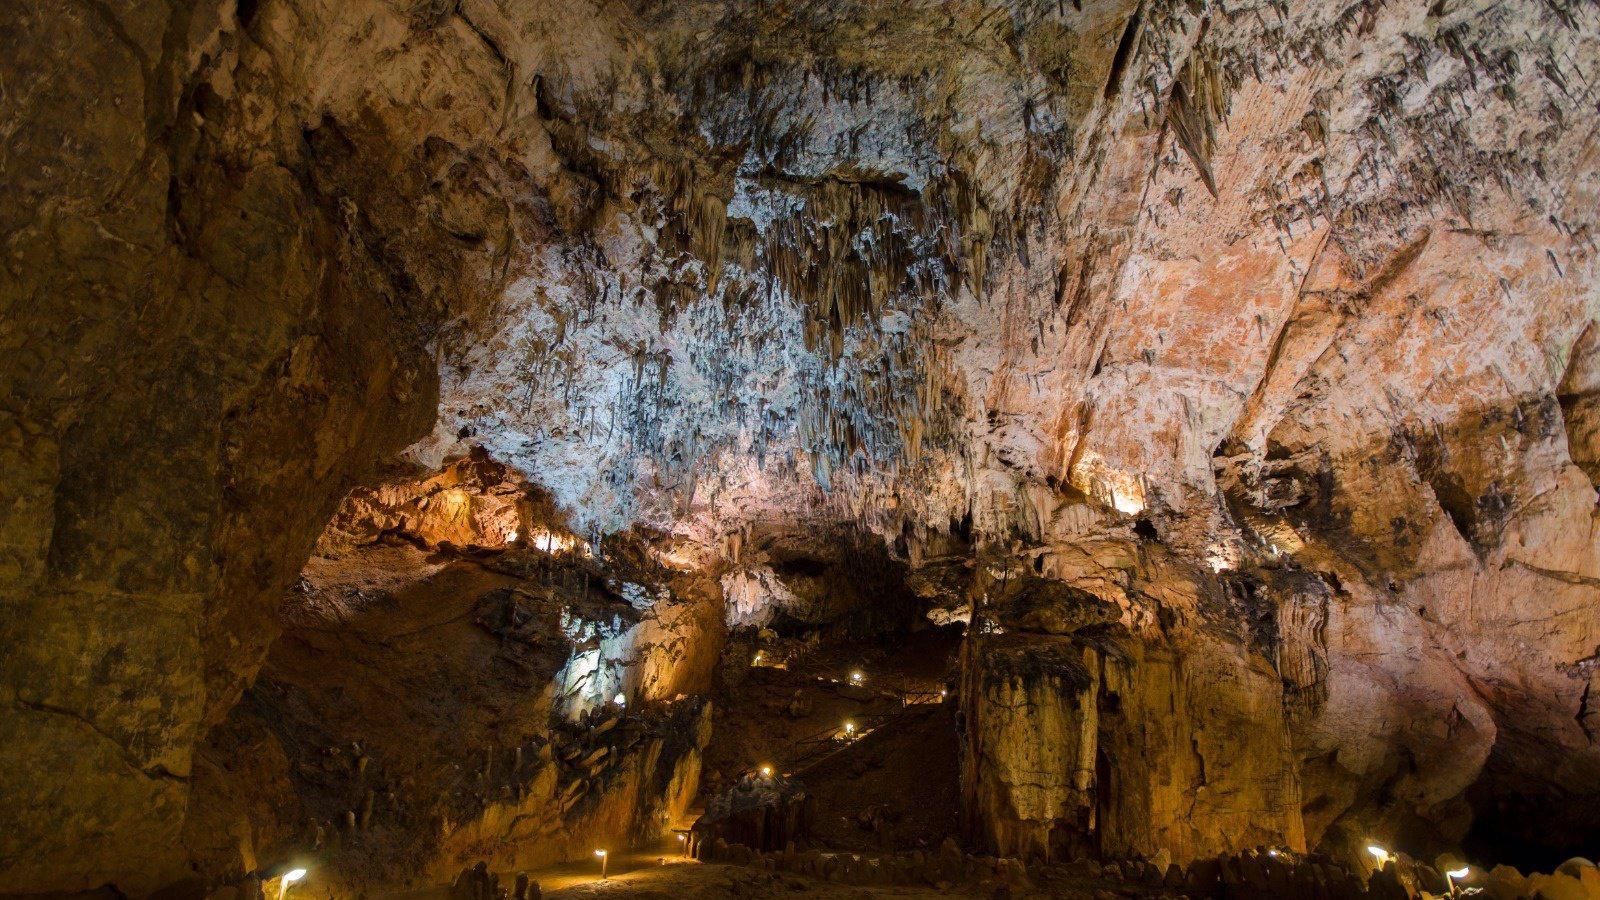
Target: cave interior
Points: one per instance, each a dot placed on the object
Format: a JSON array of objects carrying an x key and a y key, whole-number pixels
[{"x": 480, "y": 449}]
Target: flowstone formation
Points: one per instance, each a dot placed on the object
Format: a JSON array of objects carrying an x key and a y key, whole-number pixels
[{"x": 1228, "y": 368}]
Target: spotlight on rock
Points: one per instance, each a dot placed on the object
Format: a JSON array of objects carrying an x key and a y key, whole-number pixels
[{"x": 289, "y": 877}]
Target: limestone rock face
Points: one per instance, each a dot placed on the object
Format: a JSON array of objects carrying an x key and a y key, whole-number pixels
[
  {"x": 1032, "y": 728},
  {"x": 1269, "y": 325},
  {"x": 1094, "y": 738}
]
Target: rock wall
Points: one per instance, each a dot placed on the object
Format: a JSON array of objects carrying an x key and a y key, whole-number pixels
[
  {"x": 200, "y": 359},
  {"x": 1085, "y": 738},
  {"x": 1198, "y": 755}
]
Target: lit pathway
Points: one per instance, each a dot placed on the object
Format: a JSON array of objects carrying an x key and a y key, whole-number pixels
[{"x": 582, "y": 879}]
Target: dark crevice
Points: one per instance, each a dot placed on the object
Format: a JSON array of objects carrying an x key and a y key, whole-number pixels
[{"x": 1119, "y": 61}]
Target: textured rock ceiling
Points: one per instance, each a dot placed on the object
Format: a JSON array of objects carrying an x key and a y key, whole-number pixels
[{"x": 1204, "y": 307}]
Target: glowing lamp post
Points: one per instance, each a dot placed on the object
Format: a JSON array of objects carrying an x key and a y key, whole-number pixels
[
  {"x": 603, "y": 858},
  {"x": 289, "y": 877}
]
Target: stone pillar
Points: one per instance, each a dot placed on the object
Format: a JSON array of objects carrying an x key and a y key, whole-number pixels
[{"x": 1030, "y": 739}]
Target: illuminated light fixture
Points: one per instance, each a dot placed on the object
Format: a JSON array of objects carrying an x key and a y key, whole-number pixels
[
  {"x": 943, "y": 693},
  {"x": 550, "y": 542},
  {"x": 620, "y": 699},
  {"x": 1455, "y": 875},
  {"x": 855, "y": 677},
  {"x": 1379, "y": 853},
  {"x": 850, "y": 729},
  {"x": 766, "y": 771},
  {"x": 757, "y": 660},
  {"x": 512, "y": 537},
  {"x": 603, "y": 856},
  {"x": 682, "y": 837},
  {"x": 1272, "y": 853},
  {"x": 289, "y": 877}
]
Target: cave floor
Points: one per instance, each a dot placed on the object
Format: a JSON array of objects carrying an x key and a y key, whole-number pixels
[
  {"x": 661, "y": 871},
  {"x": 710, "y": 880}
]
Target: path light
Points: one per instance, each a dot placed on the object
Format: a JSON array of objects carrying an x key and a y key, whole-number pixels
[
  {"x": 855, "y": 677},
  {"x": 289, "y": 877},
  {"x": 603, "y": 857},
  {"x": 1455, "y": 875},
  {"x": 1379, "y": 853},
  {"x": 849, "y": 729},
  {"x": 766, "y": 771}
]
